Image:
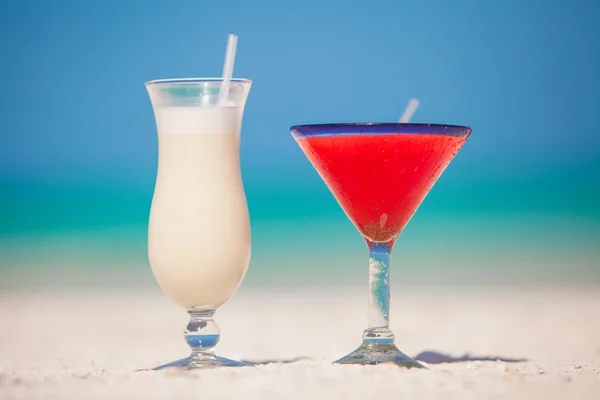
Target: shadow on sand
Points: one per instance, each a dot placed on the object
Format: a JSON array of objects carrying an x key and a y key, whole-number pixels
[
  {"x": 266, "y": 362},
  {"x": 429, "y": 357},
  {"x": 433, "y": 357}
]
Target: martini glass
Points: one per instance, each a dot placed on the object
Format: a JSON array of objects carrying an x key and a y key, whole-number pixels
[{"x": 380, "y": 173}]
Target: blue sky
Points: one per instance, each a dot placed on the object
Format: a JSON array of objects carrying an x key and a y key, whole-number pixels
[{"x": 523, "y": 74}]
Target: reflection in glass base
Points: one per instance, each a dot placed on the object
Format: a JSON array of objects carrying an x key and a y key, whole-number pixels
[
  {"x": 203, "y": 362},
  {"x": 378, "y": 353}
]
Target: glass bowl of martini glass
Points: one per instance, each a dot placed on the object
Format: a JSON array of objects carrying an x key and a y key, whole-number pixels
[{"x": 380, "y": 173}]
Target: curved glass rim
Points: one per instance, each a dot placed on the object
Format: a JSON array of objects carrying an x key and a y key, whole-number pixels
[
  {"x": 184, "y": 81},
  {"x": 370, "y": 128}
]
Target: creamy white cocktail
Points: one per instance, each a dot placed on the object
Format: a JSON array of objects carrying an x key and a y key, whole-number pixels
[
  {"x": 199, "y": 229},
  {"x": 199, "y": 232}
]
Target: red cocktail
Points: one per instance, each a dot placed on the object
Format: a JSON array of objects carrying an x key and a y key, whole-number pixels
[{"x": 380, "y": 174}]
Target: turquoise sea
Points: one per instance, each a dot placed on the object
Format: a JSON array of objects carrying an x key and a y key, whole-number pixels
[{"x": 516, "y": 232}]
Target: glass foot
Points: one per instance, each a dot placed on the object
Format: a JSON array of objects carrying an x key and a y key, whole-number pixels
[
  {"x": 191, "y": 362},
  {"x": 202, "y": 335},
  {"x": 378, "y": 353}
]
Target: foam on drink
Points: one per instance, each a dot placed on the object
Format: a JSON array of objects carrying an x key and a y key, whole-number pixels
[{"x": 197, "y": 120}]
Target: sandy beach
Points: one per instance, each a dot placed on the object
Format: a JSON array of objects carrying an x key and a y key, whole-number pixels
[{"x": 485, "y": 342}]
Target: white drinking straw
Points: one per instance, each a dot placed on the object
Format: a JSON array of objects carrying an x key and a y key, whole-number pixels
[
  {"x": 409, "y": 111},
  {"x": 228, "y": 68}
]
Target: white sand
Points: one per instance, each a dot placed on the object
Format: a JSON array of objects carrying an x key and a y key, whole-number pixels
[{"x": 87, "y": 346}]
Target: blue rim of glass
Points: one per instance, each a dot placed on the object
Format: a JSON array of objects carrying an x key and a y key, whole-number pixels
[{"x": 374, "y": 128}]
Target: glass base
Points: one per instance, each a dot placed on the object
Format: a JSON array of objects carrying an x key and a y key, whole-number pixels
[
  {"x": 378, "y": 353},
  {"x": 192, "y": 362}
]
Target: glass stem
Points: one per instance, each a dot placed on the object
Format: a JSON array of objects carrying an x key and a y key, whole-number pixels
[
  {"x": 202, "y": 334},
  {"x": 379, "y": 293}
]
